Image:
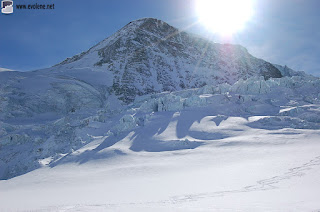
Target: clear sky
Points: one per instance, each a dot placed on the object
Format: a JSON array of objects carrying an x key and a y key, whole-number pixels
[{"x": 285, "y": 32}]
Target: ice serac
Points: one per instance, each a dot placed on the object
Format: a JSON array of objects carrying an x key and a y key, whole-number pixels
[
  {"x": 149, "y": 55},
  {"x": 146, "y": 67}
]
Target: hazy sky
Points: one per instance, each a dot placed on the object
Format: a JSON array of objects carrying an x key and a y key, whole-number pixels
[{"x": 285, "y": 32}]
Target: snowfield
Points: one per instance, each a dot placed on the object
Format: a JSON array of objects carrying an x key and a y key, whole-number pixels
[
  {"x": 155, "y": 119},
  {"x": 180, "y": 161},
  {"x": 252, "y": 146}
]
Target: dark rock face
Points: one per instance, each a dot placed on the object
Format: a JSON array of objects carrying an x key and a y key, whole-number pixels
[
  {"x": 148, "y": 56},
  {"x": 270, "y": 71}
]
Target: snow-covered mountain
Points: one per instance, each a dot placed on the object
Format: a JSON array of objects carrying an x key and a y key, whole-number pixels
[
  {"x": 5, "y": 69},
  {"x": 118, "y": 85},
  {"x": 148, "y": 55},
  {"x": 152, "y": 118}
]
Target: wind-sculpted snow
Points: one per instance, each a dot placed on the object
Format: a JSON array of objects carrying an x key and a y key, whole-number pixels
[
  {"x": 32, "y": 136},
  {"x": 151, "y": 93},
  {"x": 122, "y": 83}
]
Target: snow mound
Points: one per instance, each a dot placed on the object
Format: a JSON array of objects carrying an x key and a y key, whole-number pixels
[{"x": 37, "y": 132}]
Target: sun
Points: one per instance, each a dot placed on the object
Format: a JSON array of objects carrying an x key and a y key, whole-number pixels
[{"x": 224, "y": 17}]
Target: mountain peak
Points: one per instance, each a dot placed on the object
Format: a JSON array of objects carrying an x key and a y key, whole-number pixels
[
  {"x": 144, "y": 20},
  {"x": 150, "y": 56},
  {"x": 144, "y": 27},
  {"x": 152, "y": 25}
]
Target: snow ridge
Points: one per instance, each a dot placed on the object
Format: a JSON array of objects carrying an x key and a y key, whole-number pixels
[
  {"x": 46, "y": 139},
  {"x": 121, "y": 85},
  {"x": 150, "y": 56}
]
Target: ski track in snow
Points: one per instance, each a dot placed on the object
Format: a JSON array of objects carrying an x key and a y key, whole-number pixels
[
  {"x": 265, "y": 184},
  {"x": 74, "y": 113},
  {"x": 261, "y": 185}
]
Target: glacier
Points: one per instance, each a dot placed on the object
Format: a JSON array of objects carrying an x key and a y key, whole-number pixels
[
  {"x": 146, "y": 119},
  {"x": 286, "y": 102}
]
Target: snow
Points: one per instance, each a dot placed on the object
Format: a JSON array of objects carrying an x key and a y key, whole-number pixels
[
  {"x": 159, "y": 133},
  {"x": 74, "y": 111},
  {"x": 182, "y": 161},
  {"x": 150, "y": 56},
  {"x": 214, "y": 148},
  {"x": 253, "y": 145},
  {"x": 170, "y": 103},
  {"x": 5, "y": 69}
]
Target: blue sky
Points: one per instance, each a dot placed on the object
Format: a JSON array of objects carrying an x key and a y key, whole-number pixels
[{"x": 285, "y": 32}]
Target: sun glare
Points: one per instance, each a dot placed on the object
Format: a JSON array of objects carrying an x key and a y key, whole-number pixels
[{"x": 224, "y": 16}]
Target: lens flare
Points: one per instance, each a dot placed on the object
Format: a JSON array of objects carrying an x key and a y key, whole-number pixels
[{"x": 224, "y": 16}]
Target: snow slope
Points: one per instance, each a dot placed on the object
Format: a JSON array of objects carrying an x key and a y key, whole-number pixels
[
  {"x": 150, "y": 56},
  {"x": 27, "y": 142},
  {"x": 5, "y": 69},
  {"x": 153, "y": 118},
  {"x": 43, "y": 112},
  {"x": 191, "y": 160},
  {"x": 253, "y": 145}
]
